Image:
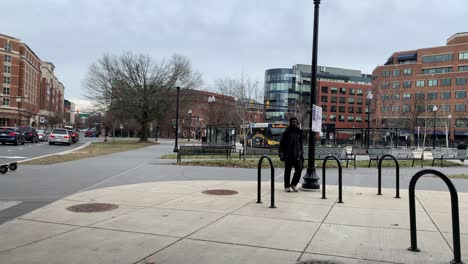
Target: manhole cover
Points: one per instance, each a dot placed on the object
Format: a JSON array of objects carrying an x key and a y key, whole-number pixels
[
  {"x": 92, "y": 207},
  {"x": 320, "y": 262},
  {"x": 220, "y": 192}
]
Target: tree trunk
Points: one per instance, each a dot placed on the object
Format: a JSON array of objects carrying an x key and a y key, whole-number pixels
[{"x": 143, "y": 136}]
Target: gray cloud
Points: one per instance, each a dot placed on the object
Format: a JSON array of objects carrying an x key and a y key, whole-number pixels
[{"x": 226, "y": 38}]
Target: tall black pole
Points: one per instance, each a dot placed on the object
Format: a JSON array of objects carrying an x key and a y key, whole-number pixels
[
  {"x": 311, "y": 179},
  {"x": 190, "y": 125},
  {"x": 176, "y": 149},
  {"x": 368, "y": 123},
  {"x": 434, "y": 131}
]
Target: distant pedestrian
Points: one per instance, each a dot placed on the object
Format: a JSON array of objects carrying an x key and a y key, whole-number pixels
[
  {"x": 408, "y": 142},
  {"x": 291, "y": 153}
]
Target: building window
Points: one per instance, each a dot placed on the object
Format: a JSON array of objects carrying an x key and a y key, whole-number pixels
[
  {"x": 420, "y": 83},
  {"x": 419, "y": 95},
  {"x": 332, "y": 117},
  {"x": 6, "y": 69},
  {"x": 461, "y": 122},
  {"x": 406, "y": 96},
  {"x": 359, "y": 110},
  {"x": 359, "y": 101},
  {"x": 445, "y": 95},
  {"x": 6, "y": 90},
  {"x": 324, "y": 89},
  {"x": 333, "y": 108},
  {"x": 342, "y": 109},
  {"x": 342, "y": 100},
  {"x": 7, "y": 58},
  {"x": 8, "y": 47},
  {"x": 350, "y": 118},
  {"x": 445, "y": 82},
  {"x": 431, "y": 83},
  {"x": 350, "y": 100},
  {"x": 359, "y": 92},
  {"x": 324, "y": 99},
  {"x": 333, "y": 99},
  {"x": 395, "y": 85},
  {"x": 334, "y": 90},
  {"x": 384, "y": 109},
  {"x": 437, "y": 70},
  {"x": 324, "y": 108},
  {"x": 463, "y": 56},
  {"x": 352, "y": 91},
  {"x": 460, "y": 94},
  {"x": 341, "y": 118},
  {"x": 6, "y": 80},
  {"x": 385, "y": 73},
  {"x": 384, "y": 97},
  {"x": 459, "y": 108},
  {"x": 406, "y": 84},
  {"x": 437, "y": 58},
  {"x": 460, "y": 81},
  {"x": 5, "y": 101},
  {"x": 445, "y": 108},
  {"x": 420, "y": 108},
  {"x": 432, "y": 95},
  {"x": 396, "y": 97},
  {"x": 396, "y": 73},
  {"x": 351, "y": 109},
  {"x": 407, "y": 72},
  {"x": 385, "y": 85},
  {"x": 463, "y": 68},
  {"x": 359, "y": 119},
  {"x": 406, "y": 108},
  {"x": 342, "y": 90}
]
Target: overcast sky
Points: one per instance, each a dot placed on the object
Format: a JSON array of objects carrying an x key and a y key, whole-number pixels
[{"x": 229, "y": 37}]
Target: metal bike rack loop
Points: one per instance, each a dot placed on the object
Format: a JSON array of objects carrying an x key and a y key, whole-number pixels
[
  {"x": 259, "y": 185},
  {"x": 340, "y": 178},
  {"x": 397, "y": 175},
  {"x": 455, "y": 213}
]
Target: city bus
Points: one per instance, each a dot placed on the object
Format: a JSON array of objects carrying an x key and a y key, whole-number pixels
[{"x": 266, "y": 134}]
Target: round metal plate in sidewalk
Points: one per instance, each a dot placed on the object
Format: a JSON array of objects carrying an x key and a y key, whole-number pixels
[
  {"x": 92, "y": 208},
  {"x": 319, "y": 262},
  {"x": 220, "y": 192}
]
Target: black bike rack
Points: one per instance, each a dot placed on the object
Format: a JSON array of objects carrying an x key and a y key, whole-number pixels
[
  {"x": 259, "y": 185},
  {"x": 5, "y": 167},
  {"x": 397, "y": 175},
  {"x": 455, "y": 213},
  {"x": 340, "y": 178}
]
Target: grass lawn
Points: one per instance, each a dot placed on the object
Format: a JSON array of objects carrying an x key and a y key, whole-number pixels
[
  {"x": 93, "y": 150},
  {"x": 458, "y": 176}
]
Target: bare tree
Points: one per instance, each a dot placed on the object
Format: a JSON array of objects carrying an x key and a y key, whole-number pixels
[{"x": 138, "y": 87}]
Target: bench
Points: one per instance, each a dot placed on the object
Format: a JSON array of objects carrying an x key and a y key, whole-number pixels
[
  {"x": 258, "y": 151},
  {"x": 204, "y": 150},
  {"x": 406, "y": 154},
  {"x": 448, "y": 154},
  {"x": 321, "y": 153},
  {"x": 376, "y": 154}
]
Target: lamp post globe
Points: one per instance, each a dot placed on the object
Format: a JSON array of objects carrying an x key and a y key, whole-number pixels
[{"x": 177, "y": 84}]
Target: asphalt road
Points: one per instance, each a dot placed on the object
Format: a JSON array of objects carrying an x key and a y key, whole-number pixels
[{"x": 33, "y": 186}]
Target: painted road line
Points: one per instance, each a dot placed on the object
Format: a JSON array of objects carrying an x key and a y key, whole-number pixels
[
  {"x": 5, "y": 205},
  {"x": 12, "y": 157}
]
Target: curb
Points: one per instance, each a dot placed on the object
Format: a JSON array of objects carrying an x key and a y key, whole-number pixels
[{"x": 58, "y": 153}]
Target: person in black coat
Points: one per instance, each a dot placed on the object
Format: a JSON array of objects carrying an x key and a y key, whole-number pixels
[{"x": 291, "y": 153}]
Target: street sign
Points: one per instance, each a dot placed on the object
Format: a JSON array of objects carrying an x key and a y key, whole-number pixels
[{"x": 316, "y": 118}]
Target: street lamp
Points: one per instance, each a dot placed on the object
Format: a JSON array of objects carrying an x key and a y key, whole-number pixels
[
  {"x": 448, "y": 127},
  {"x": 311, "y": 178},
  {"x": 189, "y": 125},
  {"x": 434, "y": 110},
  {"x": 178, "y": 84},
  {"x": 369, "y": 98},
  {"x": 211, "y": 100}
]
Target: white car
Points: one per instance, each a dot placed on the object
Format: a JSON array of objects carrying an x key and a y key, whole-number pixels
[
  {"x": 60, "y": 135},
  {"x": 42, "y": 135}
]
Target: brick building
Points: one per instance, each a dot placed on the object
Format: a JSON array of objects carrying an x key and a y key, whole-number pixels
[
  {"x": 411, "y": 83},
  {"x": 22, "y": 88}
]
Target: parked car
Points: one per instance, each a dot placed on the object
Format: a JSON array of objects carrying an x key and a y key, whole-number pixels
[
  {"x": 11, "y": 135},
  {"x": 30, "y": 133},
  {"x": 90, "y": 133},
  {"x": 60, "y": 135},
  {"x": 43, "y": 136}
]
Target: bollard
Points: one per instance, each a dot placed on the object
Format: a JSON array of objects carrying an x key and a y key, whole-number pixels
[
  {"x": 397, "y": 175},
  {"x": 340, "y": 178},
  {"x": 259, "y": 186},
  {"x": 455, "y": 213}
]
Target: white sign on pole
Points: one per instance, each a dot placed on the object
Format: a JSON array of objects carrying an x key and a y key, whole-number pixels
[
  {"x": 316, "y": 118},
  {"x": 121, "y": 126}
]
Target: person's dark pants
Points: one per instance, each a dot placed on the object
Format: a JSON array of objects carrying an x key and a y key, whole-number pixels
[{"x": 288, "y": 165}]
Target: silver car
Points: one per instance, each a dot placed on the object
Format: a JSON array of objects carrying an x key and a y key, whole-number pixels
[
  {"x": 42, "y": 135},
  {"x": 60, "y": 135}
]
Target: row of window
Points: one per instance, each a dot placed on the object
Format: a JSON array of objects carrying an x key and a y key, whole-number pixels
[
  {"x": 342, "y": 100},
  {"x": 334, "y": 90},
  {"x": 8, "y": 47},
  {"x": 5, "y": 101},
  {"x": 342, "y": 118},
  {"x": 7, "y": 58},
  {"x": 342, "y": 109},
  {"x": 397, "y": 72},
  {"x": 422, "y": 83},
  {"x": 429, "y": 95},
  {"x": 421, "y": 108}
]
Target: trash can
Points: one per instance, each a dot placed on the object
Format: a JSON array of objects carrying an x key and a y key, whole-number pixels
[{"x": 462, "y": 146}]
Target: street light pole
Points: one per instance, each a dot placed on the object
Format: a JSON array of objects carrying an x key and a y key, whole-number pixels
[
  {"x": 178, "y": 84},
  {"x": 311, "y": 179},
  {"x": 211, "y": 100},
  {"x": 369, "y": 99},
  {"x": 189, "y": 125},
  {"x": 434, "y": 110}
]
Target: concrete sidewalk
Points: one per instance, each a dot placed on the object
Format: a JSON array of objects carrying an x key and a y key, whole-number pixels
[{"x": 175, "y": 222}]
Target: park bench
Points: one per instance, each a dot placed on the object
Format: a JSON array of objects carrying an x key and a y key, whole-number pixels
[
  {"x": 322, "y": 152},
  {"x": 258, "y": 151},
  {"x": 376, "y": 154},
  {"x": 406, "y": 154},
  {"x": 448, "y": 154},
  {"x": 225, "y": 150}
]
